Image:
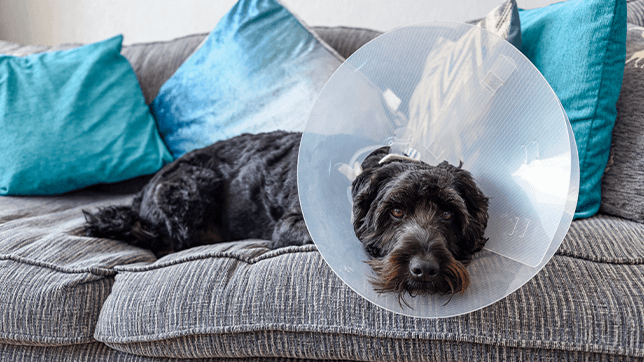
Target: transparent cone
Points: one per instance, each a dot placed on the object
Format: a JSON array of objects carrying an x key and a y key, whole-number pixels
[{"x": 435, "y": 92}]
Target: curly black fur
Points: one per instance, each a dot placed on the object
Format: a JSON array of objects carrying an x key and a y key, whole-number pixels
[
  {"x": 236, "y": 189},
  {"x": 246, "y": 187}
]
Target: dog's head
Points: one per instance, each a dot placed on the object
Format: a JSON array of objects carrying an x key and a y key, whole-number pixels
[{"x": 419, "y": 223}]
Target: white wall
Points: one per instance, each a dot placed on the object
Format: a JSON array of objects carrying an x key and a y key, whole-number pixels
[{"x": 51, "y": 22}]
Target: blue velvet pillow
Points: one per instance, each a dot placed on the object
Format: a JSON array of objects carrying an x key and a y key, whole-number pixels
[
  {"x": 74, "y": 118},
  {"x": 259, "y": 70},
  {"x": 580, "y": 47}
]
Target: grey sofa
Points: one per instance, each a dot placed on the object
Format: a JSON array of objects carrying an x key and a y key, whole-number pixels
[{"x": 67, "y": 297}]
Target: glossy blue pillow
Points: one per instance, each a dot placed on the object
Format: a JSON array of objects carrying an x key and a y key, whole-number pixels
[
  {"x": 74, "y": 118},
  {"x": 580, "y": 47},
  {"x": 259, "y": 70}
]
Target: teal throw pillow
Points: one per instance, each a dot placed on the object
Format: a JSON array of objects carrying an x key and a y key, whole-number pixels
[
  {"x": 74, "y": 118},
  {"x": 580, "y": 46},
  {"x": 259, "y": 70}
]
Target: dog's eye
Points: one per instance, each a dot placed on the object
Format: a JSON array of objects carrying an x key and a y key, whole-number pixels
[
  {"x": 397, "y": 213},
  {"x": 447, "y": 215}
]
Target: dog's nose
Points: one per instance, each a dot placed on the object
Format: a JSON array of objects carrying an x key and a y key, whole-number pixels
[{"x": 423, "y": 267}]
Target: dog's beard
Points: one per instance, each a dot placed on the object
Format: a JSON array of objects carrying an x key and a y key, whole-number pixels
[
  {"x": 393, "y": 276},
  {"x": 392, "y": 249}
]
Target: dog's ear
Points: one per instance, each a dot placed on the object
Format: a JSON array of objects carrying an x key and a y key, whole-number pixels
[
  {"x": 363, "y": 192},
  {"x": 364, "y": 189},
  {"x": 374, "y": 158},
  {"x": 477, "y": 206}
]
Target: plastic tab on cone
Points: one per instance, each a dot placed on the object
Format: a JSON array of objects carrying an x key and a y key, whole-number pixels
[{"x": 444, "y": 92}]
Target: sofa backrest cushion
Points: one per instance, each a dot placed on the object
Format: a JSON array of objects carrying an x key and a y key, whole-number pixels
[
  {"x": 635, "y": 12},
  {"x": 623, "y": 181}
]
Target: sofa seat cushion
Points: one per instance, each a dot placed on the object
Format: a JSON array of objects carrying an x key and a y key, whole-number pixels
[
  {"x": 605, "y": 239},
  {"x": 242, "y": 300},
  {"x": 53, "y": 280}
]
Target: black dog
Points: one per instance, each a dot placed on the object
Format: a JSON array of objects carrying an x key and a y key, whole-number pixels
[
  {"x": 420, "y": 223},
  {"x": 236, "y": 189}
]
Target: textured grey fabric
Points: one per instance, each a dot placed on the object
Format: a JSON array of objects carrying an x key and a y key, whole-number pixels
[
  {"x": 623, "y": 180},
  {"x": 52, "y": 280},
  {"x": 345, "y": 40},
  {"x": 236, "y": 300},
  {"x": 448, "y": 351},
  {"x": 635, "y": 12},
  {"x": 98, "y": 352},
  {"x": 605, "y": 239},
  {"x": 86, "y": 352},
  {"x": 154, "y": 63}
]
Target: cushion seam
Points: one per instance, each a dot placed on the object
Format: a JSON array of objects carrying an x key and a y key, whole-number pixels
[
  {"x": 270, "y": 255},
  {"x": 297, "y": 328},
  {"x": 42, "y": 339},
  {"x": 599, "y": 260},
  {"x": 216, "y": 255},
  {"x": 103, "y": 272}
]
